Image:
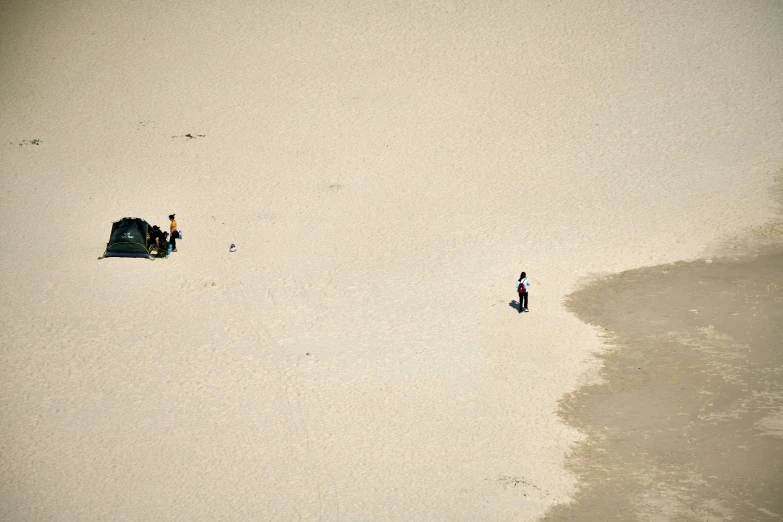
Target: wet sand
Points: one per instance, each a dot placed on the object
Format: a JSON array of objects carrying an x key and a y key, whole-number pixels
[{"x": 687, "y": 423}]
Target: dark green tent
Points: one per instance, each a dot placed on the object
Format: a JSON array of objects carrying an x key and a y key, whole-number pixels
[{"x": 128, "y": 239}]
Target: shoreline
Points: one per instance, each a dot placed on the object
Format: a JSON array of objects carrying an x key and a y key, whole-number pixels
[{"x": 687, "y": 419}]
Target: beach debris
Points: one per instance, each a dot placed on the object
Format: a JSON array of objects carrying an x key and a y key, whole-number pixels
[
  {"x": 191, "y": 136},
  {"x": 521, "y": 481},
  {"x": 232, "y": 248}
]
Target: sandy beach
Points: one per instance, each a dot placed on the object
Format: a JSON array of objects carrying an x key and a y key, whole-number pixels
[{"x": 386, "y": 171}]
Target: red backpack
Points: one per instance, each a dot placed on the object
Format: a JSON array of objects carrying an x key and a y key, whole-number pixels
[{"x": 521, "y": 288}]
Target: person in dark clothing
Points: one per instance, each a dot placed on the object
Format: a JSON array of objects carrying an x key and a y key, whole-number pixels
[
  {"x": 158, "y": 240},
  {"x": 522, "y": 285},
  {"x": 156, "y": 236}
]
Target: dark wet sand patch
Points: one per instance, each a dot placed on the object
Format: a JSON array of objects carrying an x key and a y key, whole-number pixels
[{"x": 688, "y": 423}]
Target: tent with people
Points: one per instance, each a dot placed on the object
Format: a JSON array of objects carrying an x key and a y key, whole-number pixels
[{"x": 128, "y": 239}]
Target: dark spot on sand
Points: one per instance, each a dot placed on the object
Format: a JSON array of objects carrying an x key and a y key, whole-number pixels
[{"x": 191, "y": 136}]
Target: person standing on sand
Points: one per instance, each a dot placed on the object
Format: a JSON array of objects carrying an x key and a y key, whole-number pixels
[
  {"x": 522, "y": 285},
  {"x": 174, "y": 234}
]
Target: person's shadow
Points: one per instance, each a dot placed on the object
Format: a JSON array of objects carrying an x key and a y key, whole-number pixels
[{"x": 515, "y": 305}]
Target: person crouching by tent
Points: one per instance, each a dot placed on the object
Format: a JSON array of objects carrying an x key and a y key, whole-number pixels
[
  {"x": 156, "y": 237},
  {"x": 174, "y": 233},
  {"x": 159, "y": 241}
]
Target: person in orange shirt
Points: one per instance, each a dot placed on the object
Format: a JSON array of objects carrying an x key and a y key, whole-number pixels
[{"x": 174, "y": 234}]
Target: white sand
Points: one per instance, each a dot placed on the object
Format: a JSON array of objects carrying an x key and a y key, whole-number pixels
[{"x": 386, "y": 170}]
